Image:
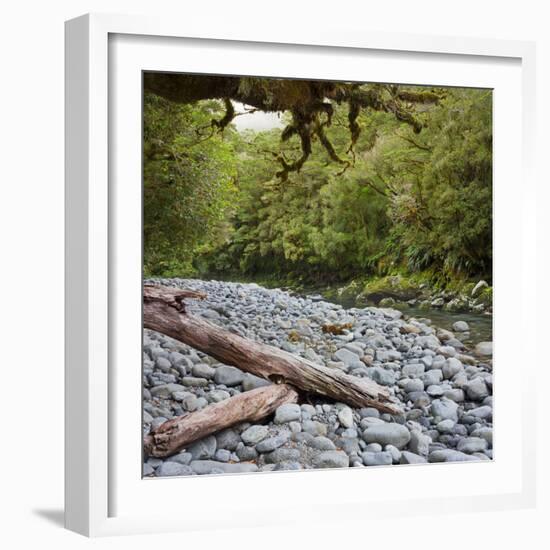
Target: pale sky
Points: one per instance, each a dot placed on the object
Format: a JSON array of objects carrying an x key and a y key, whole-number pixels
[{"x": 256, "y": 121}]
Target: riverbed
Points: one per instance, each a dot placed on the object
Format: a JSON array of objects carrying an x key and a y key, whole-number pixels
[
  {"x": 481, "y": 325},
  {"x": 441, "y": 393}
]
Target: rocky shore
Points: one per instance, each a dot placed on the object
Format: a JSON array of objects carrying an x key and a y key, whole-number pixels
[
  {"x": 444, "y": 389},
  {"x": 395, "y": 290}
]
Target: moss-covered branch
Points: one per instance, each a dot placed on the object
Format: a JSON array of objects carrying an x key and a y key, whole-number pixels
[{"x": 311, "y": 103}]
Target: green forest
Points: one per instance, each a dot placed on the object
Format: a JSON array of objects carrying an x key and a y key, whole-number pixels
[{"x": 371, "y": 180}]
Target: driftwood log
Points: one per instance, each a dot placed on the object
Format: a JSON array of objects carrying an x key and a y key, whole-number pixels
[
  {"x": 164, "y": 311},
  {"x": 174, "y": 435}
]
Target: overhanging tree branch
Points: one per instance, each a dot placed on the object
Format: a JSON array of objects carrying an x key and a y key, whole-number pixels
[{"x": 310, "y": 102}]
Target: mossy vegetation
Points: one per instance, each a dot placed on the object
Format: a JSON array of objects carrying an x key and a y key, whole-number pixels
[{"x": 366, "y": 188}]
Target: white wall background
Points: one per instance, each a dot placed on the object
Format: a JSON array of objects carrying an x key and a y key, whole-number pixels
[{"x": 31, "y": 272}]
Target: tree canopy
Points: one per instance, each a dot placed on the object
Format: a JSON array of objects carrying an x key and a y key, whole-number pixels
[
  {"x": 311, "y": 104},
  {"x": 362, "y": 179}
]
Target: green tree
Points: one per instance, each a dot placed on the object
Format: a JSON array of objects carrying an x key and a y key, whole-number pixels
[
  {"x": 188, "y": 179},
  {"x": 395, "y": 200},
  {"x": 442, "y": 208}
]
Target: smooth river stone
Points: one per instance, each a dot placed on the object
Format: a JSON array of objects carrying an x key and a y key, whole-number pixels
[{"x": 388, "y": 434}]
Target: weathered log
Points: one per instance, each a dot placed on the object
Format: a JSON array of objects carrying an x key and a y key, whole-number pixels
[
  {"x": 173, "y": 435},
  {"x": 170, "y": 295},
  {"x": 164, "y": 311}
]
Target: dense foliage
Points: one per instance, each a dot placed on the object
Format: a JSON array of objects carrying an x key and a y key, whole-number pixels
[
  {"x": 188, "y": 183},
  {"x": 402, "y": 200}
]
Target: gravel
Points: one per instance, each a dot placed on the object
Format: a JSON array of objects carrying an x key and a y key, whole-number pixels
[
  {"x": 202, "y": 467},
  {"x": 420, "y": 443},
  {"x": 173, "y": 469},
  {"x": 228, "y": 376},
  {"x": 228, "y": 439},
  {"x": 444, "y": 409},
  {"x": 272, "y": 443},
  {"x": 331, "y": 459},
  {"x": 388, "y": 434},
  {"x": 476, "y": 389},
  {"x": 282, "y": 455},
  {"x": 472, "y": 445},
  {"x": 484, "y": 349},
  {"x": 322, "y": 443},
  {"x": 287, "y": 413},
  {"x": 444, "y": 390},
  {"x": 451, "y": 367},
  {"x": 383, "y": 458},
  {"x": 254, "y": 434},
  {"x": 204, "y": 448},
  {"x": 448, "y": 455},
  {"x": 410, "y": 458},
  {"x": 345, "y": 416}
]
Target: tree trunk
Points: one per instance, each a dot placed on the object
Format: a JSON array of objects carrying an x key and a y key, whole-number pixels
[
  {"x": 164, "y": 311},
  {"x": 173, "y": 435}
]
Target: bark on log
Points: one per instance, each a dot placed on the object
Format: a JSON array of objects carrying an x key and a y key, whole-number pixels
[
  {"x": 164, "y": 311},
  {"x": 174, "y": 435}
]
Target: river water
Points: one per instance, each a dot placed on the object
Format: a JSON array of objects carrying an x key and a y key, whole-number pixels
[{"x": 481, "y": 325}]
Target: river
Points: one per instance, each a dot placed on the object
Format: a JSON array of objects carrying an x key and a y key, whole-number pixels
[{"x": 481, "y": 325}]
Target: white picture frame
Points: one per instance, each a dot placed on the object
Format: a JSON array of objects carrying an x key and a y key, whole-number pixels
[{"x": 105, "y": 55}]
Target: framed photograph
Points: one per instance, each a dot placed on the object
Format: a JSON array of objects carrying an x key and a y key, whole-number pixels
[{"x": 288, "y": 274}]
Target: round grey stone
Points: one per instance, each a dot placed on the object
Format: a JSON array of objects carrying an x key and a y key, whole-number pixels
[
  {"x": 484, "y": 349},
  {"x": 216, "y": 396},
  {"x": 287, "y": 413},
  {"x": 394, "y": 451},
  {"x": 345, "y": 417},
  {"x": 388, "y": 434},
  {"x": 331, "y": 459},
  {"x": 222, "y": 455},
  {"x": 461, "y": 326},
  {"x": 251, "y": 382},
  {"x": 322, "y": 443},
  {"x": 451, "y": 367},
  {"x": 202, "y": 370},
  {"x": 163, "y": 364},
  {"x": 182, "y": 458},
  {"x": 383, "y": 458},
  {"x": 445, "y": 426},
  {"x": 414, "y": 384},
  {"x": 193, "y": 382},
  {"x": 254, "y": 434},
  {"x": 272, "y": 443},
  {"x": 148, "y": 470},
  {"x": 420, "y": 443},
  {"x": 476, "y": 389},
  {"x": 314, "y": 427},
  {"x": 482, "y": 412},
  {"x": 486, "y": 433},
  {"x": 282, "y": 454},
  {"x": 287, "y": 466},
  {"x": 472, "y": 445},
  {"x": 204, "y": 448},
  {"x": 202, "y": 467},
  {"x": 173, "y": 469},
  {"x": 449, "y": 455},
  {"x": 410, "y": 458},
  {"x": 228, "y": 376},
  {"x": 444, "y": 409},
  {"x": 246, "y": 453}
]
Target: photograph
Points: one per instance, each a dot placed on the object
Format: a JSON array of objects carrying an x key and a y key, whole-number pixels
[
  {"x": 317, "y": 274},
  {"x": 281, "y": 260}
]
